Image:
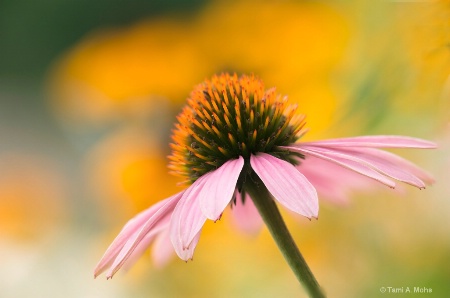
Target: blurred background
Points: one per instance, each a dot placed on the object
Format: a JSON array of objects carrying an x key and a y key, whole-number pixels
[{"x": 89, "y": 91}]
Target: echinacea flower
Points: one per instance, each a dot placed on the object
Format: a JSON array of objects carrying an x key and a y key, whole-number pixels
[{"x": 234, "y": 139}]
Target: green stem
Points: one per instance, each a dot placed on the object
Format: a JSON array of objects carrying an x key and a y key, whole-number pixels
[{"x": 277, "y": 228}]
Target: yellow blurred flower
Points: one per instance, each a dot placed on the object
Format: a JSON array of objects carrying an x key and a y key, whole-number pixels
[
  {"x": 292, "y": 45},
  {"x": 31, "y": 197},
  {"x": 108, "y": 74},
  {"x": 284, "y": 41},
  {"x": 128, "y": 172},
  {"x": 425, "y": 32}
]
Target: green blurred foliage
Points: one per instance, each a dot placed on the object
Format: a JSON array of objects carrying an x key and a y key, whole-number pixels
[{"x": 33, "y": 33}]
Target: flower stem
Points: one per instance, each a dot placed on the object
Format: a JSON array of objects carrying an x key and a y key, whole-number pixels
[{"x": 277, "y": 228}]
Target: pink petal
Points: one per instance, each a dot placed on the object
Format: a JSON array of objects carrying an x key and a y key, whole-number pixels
[
  {"x": 131, "y": 228},
  {"x": 187, "y": 254},
  {"x": 286, "y": 184},
  {"x": 322, "y": 174},
  {"x": 363, "y": 156},
  {"x": 399, "y": 161},
  {"x": 134, "y": 240},
  {"x": 219, "y": 188},
  {"x": 374, "y": 141},
  {"x": 187, "y": 217},
  {"x": 350, "y": 164},
  {"x": 145, "y": 243},
  {"x": 162, "y": 250},
  {"x": 246, "y": 216}
]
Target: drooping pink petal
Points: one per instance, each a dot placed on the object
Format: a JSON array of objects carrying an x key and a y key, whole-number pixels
[
  {"x": 383, "y": 141},
  {"x": 129, "y": 255},
  {"x": 187, "y": 254},
  {"x": 350, "y": 164},
  {"x": 364, "y": 157},
  {"x": 246, "y": 216},
  {"x": 322, "y": 174},
  {"x": 399, "y": 161},
  {"x": 187, "y": 217},
  {"x": 162, "y": 250},
  {"x": 146, "y": 242},
  {"x": 134, "y": 240},
  {"x": 130, "y": 229},
  {"x": 287, "y": 185},
  {"x": 219, "y": 188}
]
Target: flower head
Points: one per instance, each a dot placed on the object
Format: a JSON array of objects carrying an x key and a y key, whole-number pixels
[
  {"x": 229, "y": 117},
  {"x": 232, "y": 135}
]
